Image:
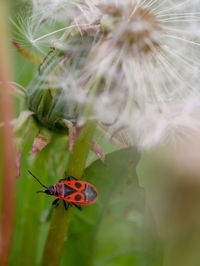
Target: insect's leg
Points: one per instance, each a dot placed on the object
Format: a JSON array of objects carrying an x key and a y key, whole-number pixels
[
  {"x": 78, "y": 207},
  {"x": 62, "y": 179},
  {"x": 55, "y": 201},
  {"x": 72, "y": 177},
  {"x": 66, "y": 205},
  {"x": 67, "y": 177},
  {"x": 44, "y": 60}
]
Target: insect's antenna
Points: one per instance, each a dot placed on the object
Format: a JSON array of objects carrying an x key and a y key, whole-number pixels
[
  {"x": 40, "y": 191},
  {"x": 37, "y": 179}
]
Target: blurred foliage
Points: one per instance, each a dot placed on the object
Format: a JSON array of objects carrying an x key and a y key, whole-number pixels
[{"x": 116, "y": 230}]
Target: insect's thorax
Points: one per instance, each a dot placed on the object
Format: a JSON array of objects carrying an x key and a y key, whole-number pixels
[{"x": 61, "y": 190}]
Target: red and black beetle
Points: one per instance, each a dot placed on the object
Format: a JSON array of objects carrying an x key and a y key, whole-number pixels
[{"x": 74, "y": 192}]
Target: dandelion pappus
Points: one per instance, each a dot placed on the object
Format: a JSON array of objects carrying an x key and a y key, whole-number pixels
[{"x": 71, "y": 192}]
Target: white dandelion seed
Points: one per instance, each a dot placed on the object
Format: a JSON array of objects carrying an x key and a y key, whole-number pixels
[
  {"x": 142, "y": 71},
  {"x": 48, "y": 20}
]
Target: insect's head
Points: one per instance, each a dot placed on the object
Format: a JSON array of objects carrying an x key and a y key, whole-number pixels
[{"x": 49, "y": 190}]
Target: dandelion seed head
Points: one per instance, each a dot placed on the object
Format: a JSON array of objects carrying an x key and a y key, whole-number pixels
[
  {"x": 148, "y": 63},
  {"x": 130, "y": 25},
  {"x": 137, "y": 63}
]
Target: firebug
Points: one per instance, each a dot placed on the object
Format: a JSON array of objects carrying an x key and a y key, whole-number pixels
[{"x": 74, "y": 192}]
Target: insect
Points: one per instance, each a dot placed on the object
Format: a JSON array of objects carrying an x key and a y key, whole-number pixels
[{"x": 71, "y": 192}]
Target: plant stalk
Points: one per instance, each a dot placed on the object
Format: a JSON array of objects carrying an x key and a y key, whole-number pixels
[
  {"x": 6, "y": 143},
  {"x": 34, "y": 206},
  {"x": 61, "y": 218}
]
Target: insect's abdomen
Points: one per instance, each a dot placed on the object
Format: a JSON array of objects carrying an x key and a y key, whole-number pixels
[{"x": 80, "y": 192}]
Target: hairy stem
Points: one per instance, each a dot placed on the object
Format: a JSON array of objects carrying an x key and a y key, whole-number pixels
[
  {"x": 6, "y": 143},
  {"x": 61, "y": 218}
]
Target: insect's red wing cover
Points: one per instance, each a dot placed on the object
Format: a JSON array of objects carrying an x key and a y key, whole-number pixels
[{"x": 80, "y": 192}]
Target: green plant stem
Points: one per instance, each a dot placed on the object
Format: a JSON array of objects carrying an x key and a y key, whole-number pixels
[
  {"x": 61, "y": 218},
  {"x": 34, "y": 206}
]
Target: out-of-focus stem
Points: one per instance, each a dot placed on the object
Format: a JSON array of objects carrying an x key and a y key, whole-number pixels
[
  {"x": 172, "y": 185},
  {"x": 32, "y": 219},
  {"x": 181, "y": 246},
  {"x": 7, "y": 147},
  {"x": 61, "y": 218}
]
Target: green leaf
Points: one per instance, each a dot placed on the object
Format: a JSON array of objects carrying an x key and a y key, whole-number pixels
[{"x": 114, "y": 230}]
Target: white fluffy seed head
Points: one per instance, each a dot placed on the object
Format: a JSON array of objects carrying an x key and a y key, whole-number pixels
[{"x": 141, "y": 72}]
